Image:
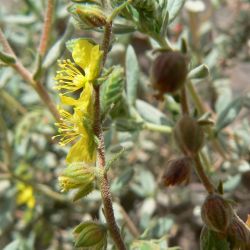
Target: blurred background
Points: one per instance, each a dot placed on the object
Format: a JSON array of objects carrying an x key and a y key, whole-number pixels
[{"x": 34, "y": 214}]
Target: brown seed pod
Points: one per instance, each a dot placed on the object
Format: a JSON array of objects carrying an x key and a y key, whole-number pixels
[
  {"x": 239, "y": 233},
  {"x": 169, "y": 72},
  {"x": 188, "y": 135},
  {"x": 216, "y": 213},
  {"x": 178, "y": 171}
]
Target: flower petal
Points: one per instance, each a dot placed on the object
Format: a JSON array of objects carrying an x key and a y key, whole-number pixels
[{"x": 80, "y": 153}]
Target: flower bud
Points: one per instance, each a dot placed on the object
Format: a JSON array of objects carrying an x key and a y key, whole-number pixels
[
  {"x": 77, "y": 175},
  {"x": 88, "y": 16},
  {"x": 169, "y": 72},
  {"x": 188, "y": 135},
  {"x": 178, "y": 171},
  {"x": 91, "y": 235},
  {"x": 239, "y": 233},
  {"x": 216, "y": 213}
]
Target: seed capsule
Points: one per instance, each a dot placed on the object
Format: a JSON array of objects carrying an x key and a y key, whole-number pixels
[
  {"x": 178, "y": 171},
  {"x": 169, "y": 72},
  {"x": 239, "y": 233},
  {"x": 216, "y": 213},
  {"x": 91, "y": 235},
  {"x": 188, "y": 135}
]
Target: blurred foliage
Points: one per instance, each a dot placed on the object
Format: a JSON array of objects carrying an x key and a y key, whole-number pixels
[{"x": 34, "y": 214}]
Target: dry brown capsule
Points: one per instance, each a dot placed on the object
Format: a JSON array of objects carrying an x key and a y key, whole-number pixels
[
  {"x": 217, "y": 213},
  {"x": 177, "y": 172},
  {"x": 169, "y": 72},
  {"x": 189, "y": 135},
  {"x": 239, "y": 233}
]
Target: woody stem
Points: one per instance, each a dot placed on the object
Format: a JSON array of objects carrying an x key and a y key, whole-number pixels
[{"x": 104, "y": 182}]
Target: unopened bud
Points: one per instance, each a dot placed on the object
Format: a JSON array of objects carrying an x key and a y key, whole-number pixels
[
  {"x": 91, "y": 235},
  {"x": 178, "y": 171},
  {"x": 239, "y": 233},
  {"x": 88, "y": 16},
  {"x": 189, "y": 135},
  {"x": 217, "y": 213},
  {"x": 169, "y": 72},
  {"x": 77, "y": 175}
]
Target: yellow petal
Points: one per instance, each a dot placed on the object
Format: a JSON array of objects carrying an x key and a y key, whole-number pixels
[
  {"x": 94, "y": 66},
  {"x": 26, "y": 196},
  {"x": 88, "y": 56},
  {"x": 80, "y": 153},
  {"x": 81, "y": 52}
]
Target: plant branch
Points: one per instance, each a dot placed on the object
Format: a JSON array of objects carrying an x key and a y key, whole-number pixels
[
  {"x": 27, "y": 76},
  {"x": 202, "y": 175},
  {"x": 184, "y": 101},
  {"x": 130, "y": 224},
  {"x": 201, "y": 110},
  {"x": 48, "y": 19},
  {"x": 157, "y": 128},
  {"x": 103, "y": 181}
]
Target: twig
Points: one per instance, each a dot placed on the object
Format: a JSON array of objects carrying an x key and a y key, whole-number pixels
[
  {"x": 202, "y": 175},
  {"x": 201, "y": 110},
  {"x": 184, "y": 101},
  {"x": 104, "y": 182},
  {"x": 130, "y": 224},
  {"x": 48, "y": 19},
  {"x": 27, "y": 76}
]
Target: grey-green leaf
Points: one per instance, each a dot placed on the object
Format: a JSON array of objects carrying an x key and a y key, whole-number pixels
[
  {"x": 229, "y": 114},
  {"x": 132, "y": 75},
  {"x": 174, "y": 7},
  {"x": 199, "y": 72},
  {"x": 150, "y": 114}
]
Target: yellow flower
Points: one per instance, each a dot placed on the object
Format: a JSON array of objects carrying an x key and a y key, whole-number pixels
[
  {"x": 69, "y": 78},
  {"x": 77, "y": 127},
  {"x": 25, "y": 195},
  {"x": 86, "y": 66},
  {"x": 88, "y": 56}
]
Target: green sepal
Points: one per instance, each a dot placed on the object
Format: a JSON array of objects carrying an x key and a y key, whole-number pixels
[
  {"x": 83, "y": 191},
  {"x": 7, "y": 58}
]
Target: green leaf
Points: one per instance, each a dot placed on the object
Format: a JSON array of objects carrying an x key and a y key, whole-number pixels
[
  {"x": 153, "y": 244},
  {"x": 151, "y": 114},
  {"x": 119, "y": 183},
  {"x": 128, "y": 125},
  {"x": 83, "y": 191},
  {"x": 174, "y": 7},
  {"x": 132, "y": 75},
  {"x": 199, "y": 72},
  {"x": 112, "y": 95},
  {"x": 210, "y": 240},
  {"x": 232, "y": 110},
  {"x": 6, "y": 58}
]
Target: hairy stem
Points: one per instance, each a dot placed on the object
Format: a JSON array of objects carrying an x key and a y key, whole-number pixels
[
  {"x": 48, "y": 19},
  {"x": 27, "y": 76},
  {"x": 104, "y": 182},
  {"x": 202, "y": 175},
  {"x": 198, "y": 164}
]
